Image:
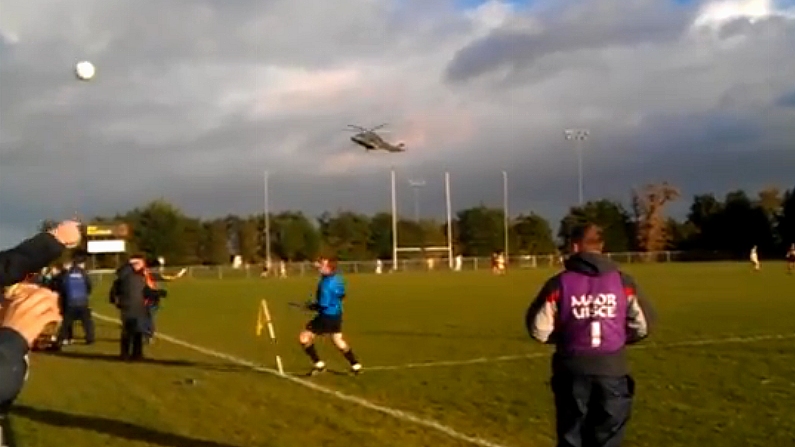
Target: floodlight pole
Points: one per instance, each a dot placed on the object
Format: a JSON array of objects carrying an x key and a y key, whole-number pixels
[
  {"x": 449, "y": 220},
  {"x": 394, "y": 224},
  {"x": 416, "y": 185},
  {"x": 506, "y": 218},
  {"x": 267, "y": 222},
  {"x": 579, "y": 137}
]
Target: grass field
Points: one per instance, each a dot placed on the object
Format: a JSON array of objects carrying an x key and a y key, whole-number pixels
[{"x": 719, "y": 370}]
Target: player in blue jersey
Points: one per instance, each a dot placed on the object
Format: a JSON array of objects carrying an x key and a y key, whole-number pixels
[{"x": 328, "y": 320}]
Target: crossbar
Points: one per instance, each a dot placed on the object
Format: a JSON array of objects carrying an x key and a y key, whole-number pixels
[{"x": 419, "y": 249}]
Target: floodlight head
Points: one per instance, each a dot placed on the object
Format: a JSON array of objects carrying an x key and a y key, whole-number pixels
[{"x": 576, "y": 134}]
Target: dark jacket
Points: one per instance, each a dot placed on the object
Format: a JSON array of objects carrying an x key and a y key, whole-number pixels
[
  {"x": 15, "y": 264},
  {"x": 13, "y": 365},
  {"x": 542, "y": 316},
  {"x": 28, "y": 257},
  {"x": 130, "y": 288}
]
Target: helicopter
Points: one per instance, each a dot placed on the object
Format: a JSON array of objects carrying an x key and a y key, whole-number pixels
[{"x": 371, "y": 141}]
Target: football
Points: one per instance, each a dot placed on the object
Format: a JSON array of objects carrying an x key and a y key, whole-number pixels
[{"x": 85, "y": 71}]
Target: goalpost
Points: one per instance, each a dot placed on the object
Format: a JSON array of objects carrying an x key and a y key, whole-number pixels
[{"x": 397, "y": 249}]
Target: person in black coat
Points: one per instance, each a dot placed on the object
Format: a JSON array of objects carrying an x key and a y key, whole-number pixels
[{"x": 128, "y": 293}]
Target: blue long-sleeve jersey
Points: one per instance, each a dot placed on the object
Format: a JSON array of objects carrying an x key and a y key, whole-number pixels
[{"x": 330, "y": 293}]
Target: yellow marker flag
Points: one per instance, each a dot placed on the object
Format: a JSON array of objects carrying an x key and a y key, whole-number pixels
[{"x": 260, "y": 320}]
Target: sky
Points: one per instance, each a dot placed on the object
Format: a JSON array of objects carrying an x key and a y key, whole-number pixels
[{"x": 195, "y": 99}]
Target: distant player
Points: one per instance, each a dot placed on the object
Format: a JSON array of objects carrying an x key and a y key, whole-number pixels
[
  {"x": 328, "y": 321},
  {"x": 791, "y": 259},
  {"x": 498, "y": 263},
  {"x": 755, "y": 259},
  {"x": 590, "y": 312}
]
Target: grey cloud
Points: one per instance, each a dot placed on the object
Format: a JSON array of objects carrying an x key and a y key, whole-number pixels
[
  {"x": 172, "y": 111},
  {"x": 787, "y": 100},
  {"x": 587, "y": 26}
]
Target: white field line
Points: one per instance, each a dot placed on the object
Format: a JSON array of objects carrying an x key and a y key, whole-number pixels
[
  {"x": 395, "y": 413},
  {"x": 507, "y": 358}
]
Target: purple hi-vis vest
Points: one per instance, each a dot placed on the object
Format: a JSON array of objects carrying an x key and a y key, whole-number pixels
[{"x": 592, "y": 312}]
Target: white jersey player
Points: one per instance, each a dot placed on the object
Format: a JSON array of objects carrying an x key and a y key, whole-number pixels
[{"x": 755, "y": 259}]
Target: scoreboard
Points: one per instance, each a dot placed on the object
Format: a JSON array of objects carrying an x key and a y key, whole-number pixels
[
  {"x": 107, "y": 238},
  {"x": 107, "y": 230}
]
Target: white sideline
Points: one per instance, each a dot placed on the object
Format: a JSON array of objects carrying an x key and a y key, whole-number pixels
[
  {"x": 397, "y": 414},
  {"x": 505, "y": 358}
]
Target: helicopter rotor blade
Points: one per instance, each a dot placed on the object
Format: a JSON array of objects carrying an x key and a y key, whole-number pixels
[
  {"x": 378, "y": 127},
  {"x": 359, "y": 128}
]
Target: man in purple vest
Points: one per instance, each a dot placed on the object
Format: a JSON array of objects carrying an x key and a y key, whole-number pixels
[{"x": 590, "y": 312}]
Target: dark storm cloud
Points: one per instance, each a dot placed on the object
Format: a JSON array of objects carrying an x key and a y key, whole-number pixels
[
  {"x": 787, "y": 100},
  {"x": 586, "y": 26},
  {"x": 194, "y": 109}
]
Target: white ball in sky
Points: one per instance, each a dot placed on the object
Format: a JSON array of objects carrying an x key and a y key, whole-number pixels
[{"x": 85, "y": 70}]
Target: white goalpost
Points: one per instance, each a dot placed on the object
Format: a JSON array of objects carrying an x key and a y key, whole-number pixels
[{"x": 396, "y": 249}]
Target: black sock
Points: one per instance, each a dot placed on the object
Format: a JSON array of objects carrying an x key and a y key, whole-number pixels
[
  {"x": 350, "y": 357},
  {"x": 312, "y": 353}
]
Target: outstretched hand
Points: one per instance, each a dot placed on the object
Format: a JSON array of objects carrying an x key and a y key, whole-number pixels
[{"x": 28, "y": 309}]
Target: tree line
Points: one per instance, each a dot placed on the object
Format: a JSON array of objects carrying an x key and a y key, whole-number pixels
[{"x": 728, "y": 226}]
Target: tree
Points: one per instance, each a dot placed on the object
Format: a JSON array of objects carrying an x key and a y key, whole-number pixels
[
  {"x": 380, "y": 240},
  {"x": 532, "y": 235},
  {"x": 480, "y": 230},
  {"x": 347, "y": 234},
  {"x": 611, "y": 216},
  {"x": 193, "y": 235},
  {"x": 680, "y": 234},
  {"x": 744, "y": 225},
  {"x": 293, "y": 237},
  {"x": 248, "y": 240},
  {"x": 786, "y": 221},
  {"x": 158, "y": 229},
  {"x": 651, "y": 227},
  {"x": 215, "y": 242},
  {"x": 771, "y": 201},
  {"x": 433, "y": 233},
  {"x": 705, "y": 216},
  {"x": 410, "y": 234}
]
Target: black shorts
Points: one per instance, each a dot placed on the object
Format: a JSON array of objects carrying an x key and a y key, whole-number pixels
[
  {"x": 791, "y": 259},
  {"x": 324, "y": 324}
]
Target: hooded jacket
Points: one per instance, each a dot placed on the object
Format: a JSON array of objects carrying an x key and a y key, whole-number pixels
[{"x": 542, "y": 318}]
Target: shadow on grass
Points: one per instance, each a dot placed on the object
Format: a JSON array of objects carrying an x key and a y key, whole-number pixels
[
  {"x": 104, "y": 357},
  {"x": 112, "y": 427}
]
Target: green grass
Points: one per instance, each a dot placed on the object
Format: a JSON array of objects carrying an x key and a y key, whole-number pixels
[{"x": 726, "y": 393}]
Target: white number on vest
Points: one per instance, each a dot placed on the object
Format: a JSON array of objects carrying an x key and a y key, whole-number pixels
[{"x": 596, "y": 334}]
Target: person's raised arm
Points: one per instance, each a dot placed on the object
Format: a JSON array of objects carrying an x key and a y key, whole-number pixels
[{"x": 35, "y": 253}]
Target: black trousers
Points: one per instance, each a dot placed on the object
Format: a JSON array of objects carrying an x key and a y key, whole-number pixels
[
  {"x": 592, "y": 411},
  {"x": 81, "y": 314},
  {"x": 6, "y": 434},
  {"x": 132, "y": 338}
]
